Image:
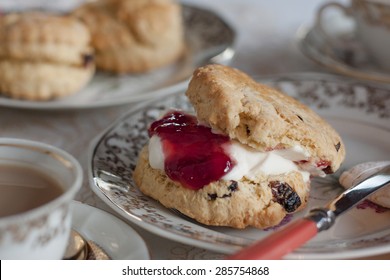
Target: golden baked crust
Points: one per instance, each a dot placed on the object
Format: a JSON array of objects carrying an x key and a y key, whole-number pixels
[
  {"x": 41, "y": 81},
  {"x": 134, "y": 36},
  {"x": 36, "y": 36},
  {"x": 248, "y": 203},
  {"x": 43, "y": 56},
  {"x": 260, "y": 116}
]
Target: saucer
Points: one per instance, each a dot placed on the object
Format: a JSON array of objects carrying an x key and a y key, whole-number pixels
[
  {"x": 339, "y": 51},
  {"x": 117, "y": 239}
]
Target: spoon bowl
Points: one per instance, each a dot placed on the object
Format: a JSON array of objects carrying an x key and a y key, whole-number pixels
[{"x": 79, "y": 248}]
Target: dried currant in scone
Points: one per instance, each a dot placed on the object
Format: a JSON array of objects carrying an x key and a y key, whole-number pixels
[
  {"x": 285, "y": 195},
  {"x": 337, "y": 146},
  {"x": 88, "y": 59},
  {"x": 231, "y": 188},
  {"x": 212, "y": 196}
]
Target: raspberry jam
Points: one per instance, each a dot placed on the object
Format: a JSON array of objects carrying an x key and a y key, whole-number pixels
[{"x": 194, "y": 156}]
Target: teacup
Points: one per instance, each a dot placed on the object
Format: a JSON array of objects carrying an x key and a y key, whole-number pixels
[
  {"x": 372, "y": 26},
  {"x": 37, "y": 185}
]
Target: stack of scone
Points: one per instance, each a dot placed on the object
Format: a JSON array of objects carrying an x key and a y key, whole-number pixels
[
  {"x": 245, "y": 159},
  {"x": 134, "y": 36},
  {"x": 43, "y": 56}
]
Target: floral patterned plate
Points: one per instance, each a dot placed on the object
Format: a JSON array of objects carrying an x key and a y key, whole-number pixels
[
  {"x": 209, "y": 39},
  {"x": 359, "y": 111}
]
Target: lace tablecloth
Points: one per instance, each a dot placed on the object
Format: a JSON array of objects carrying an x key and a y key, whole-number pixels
[{"x": 265, "y": 45}]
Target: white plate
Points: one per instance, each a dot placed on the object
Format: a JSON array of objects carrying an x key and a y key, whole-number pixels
[
  {"x": 360, "y": 112},
  {"x": 339, "y": 51},
  {"x": 209, "y": 39},
  {"x": 115, "y": 237}
]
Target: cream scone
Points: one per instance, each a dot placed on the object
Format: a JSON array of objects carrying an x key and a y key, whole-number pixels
[
  {"x": 134, "y": 36},
  {"x": 43, "y": 56},
  {"x": 241, "y": 161}
]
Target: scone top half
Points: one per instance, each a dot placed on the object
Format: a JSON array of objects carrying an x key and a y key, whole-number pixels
[
  {"x": 263, "y": 118},
  {"x": 134, "y": 36},
  {"x": 43, "y": 37}
]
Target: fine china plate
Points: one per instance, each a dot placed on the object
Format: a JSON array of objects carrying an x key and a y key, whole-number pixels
[
  {"x": 359, "y": 111},
  {"x": 339, "y": 50},
  {"x": 209, "y": 40},
  {"x": 117, "y": 239}
]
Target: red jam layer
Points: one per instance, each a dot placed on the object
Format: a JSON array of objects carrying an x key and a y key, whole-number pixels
[{"x": 194, "y": 156}]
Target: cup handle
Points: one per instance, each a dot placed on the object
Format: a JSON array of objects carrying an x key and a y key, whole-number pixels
[{"x": 319, "y": 17}]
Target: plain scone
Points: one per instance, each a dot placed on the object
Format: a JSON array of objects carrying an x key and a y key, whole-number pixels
[
  {"x": 258, "y": 116},
  {"x": 134, "y": 36},
  {"x": 43, "y": 56}
]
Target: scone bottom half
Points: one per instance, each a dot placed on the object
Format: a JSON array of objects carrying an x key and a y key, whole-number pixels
[
  {"x": 43, "y": 56},
  {"x": 217, "y": 179}
]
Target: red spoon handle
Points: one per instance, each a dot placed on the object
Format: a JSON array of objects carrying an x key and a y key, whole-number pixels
[{"x": 279, "y": 243}]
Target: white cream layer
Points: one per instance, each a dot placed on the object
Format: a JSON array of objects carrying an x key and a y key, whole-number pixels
[{"x": 249, "y": 162}]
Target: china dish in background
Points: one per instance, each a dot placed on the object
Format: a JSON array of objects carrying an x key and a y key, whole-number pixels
[
  {"x": 209, "y": 39},
  {"x": 351, "y": 39},
  {"x": 358, "y": 111}
]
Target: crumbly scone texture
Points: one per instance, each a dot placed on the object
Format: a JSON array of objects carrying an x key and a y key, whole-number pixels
[
  {"x": 237, "y": 204},
  {"x": 134, "y": 36},
  {"x": 260, "y": 116},
  {"x": 43, "y": 56},
  {"x": 37, "y": 36}
]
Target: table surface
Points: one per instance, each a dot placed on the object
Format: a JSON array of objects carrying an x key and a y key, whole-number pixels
[{"x": 266, "y": 44}]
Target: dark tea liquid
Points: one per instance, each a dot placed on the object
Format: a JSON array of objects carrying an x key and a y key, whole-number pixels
[{"x": 23, "y": 188}]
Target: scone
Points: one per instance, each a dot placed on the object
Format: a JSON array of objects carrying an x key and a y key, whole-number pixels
[
  {"x": 134, "y": 36},
  {"x": 43, "y": 56},
  {"x": 245, "y": 159}
]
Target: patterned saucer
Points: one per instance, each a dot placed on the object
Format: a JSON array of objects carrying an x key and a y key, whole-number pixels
[{"x": 339, "y": 51}]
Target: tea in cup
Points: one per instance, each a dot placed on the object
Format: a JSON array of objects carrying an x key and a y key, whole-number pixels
[
  {"x": 37, "y": 185},
  {"x": 372, "y": 26}
]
